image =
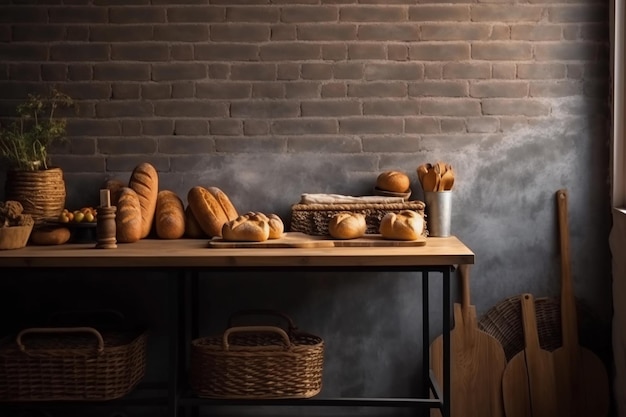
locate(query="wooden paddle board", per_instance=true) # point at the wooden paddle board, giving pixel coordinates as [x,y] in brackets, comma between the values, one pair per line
[477,362]
[302,240]
[581,377]
[528,386]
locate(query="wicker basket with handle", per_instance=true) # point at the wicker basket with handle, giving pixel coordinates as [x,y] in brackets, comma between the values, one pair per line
[70,363]
[313,219]
[257,362]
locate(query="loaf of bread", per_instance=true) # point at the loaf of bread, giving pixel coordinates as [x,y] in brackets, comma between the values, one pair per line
[170,215]
[50,235]
[144,180]
[128,223]
[192,227]
[394,181]
[404,225]
[207,210]
[227,205]
[114,186]
[347,225]
[250,227]
[277,227]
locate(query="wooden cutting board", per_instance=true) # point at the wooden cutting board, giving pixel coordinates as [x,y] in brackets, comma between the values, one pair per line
[528,385]
[302,240]
[477,362]
[581,377]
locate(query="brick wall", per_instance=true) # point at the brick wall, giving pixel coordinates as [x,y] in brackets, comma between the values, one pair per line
[175,81]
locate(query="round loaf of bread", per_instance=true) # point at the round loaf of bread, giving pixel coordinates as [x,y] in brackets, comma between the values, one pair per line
[246,228]
[144,180]
[207,210]
[170,215]
[347,225]
[128,224]
[114,186]
[404,225]
[192,227]
[277,227]
[395,181]
[46,236]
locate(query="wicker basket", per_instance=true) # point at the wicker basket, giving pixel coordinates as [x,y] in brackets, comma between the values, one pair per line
[313,219]
[14,237]
[70,363]
[257,362]
[504,322]
[41,192]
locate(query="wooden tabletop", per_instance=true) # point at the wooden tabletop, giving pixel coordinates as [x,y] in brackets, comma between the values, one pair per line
[196,253]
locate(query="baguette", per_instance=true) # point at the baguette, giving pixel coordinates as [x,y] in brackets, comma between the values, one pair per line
[144,180]
[170,215]
[227,205]
[207,211]
[405,225]
[192,227]
[128,224]
[347,225]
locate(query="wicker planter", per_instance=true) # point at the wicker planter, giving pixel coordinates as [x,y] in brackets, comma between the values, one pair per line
[42,192]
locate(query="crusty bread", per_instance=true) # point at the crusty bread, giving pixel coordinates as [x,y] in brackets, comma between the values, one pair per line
[347,225]
[246,228]
[144,180]
[192,227]
[404,225]
[227,205]
[128,224]
[50,235]
[114,186]
[394,181]
[207,210]
[277,227]
[170,215]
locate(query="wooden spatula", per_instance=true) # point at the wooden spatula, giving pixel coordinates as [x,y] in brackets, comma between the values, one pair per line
[581,377]
[528,386]
[477,362]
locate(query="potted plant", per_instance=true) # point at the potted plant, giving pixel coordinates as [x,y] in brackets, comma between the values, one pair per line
[24,146]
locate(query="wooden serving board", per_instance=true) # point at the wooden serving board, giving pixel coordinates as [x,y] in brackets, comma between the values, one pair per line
[302,240]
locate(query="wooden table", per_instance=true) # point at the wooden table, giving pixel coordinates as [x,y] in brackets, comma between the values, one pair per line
[189,257]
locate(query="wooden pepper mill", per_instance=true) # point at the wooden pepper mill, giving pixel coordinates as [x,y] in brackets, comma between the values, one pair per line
[105,226]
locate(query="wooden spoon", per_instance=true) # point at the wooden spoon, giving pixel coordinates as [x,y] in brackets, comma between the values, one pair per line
[421,171]
[442,167]
[447,180]
[431,180]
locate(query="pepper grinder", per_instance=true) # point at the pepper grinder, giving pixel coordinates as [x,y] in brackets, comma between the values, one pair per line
[105,225]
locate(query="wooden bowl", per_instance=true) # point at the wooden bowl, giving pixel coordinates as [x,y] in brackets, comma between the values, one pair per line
[405,195]
[14,237]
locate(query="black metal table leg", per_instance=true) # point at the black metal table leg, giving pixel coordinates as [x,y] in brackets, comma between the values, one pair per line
[447,305]
[425,336]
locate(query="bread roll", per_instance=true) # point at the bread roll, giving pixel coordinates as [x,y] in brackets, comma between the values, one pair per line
[50,236]
[405,225]
[207,210]
[144,180]
[128,223]
[192,227]
[277,227]
[246,228]
[227,205]
[114,186]
[347,225]
[170,216]
[394,181]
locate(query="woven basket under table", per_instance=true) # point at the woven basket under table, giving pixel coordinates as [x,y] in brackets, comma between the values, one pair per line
[257,362]
[313,219]
[71,363]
